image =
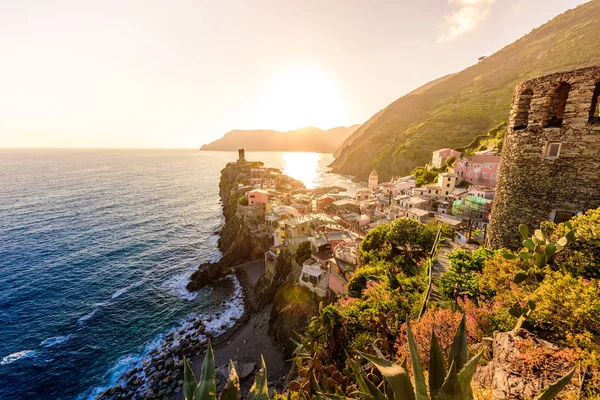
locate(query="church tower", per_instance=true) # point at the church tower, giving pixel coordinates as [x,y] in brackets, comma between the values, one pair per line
[373,180]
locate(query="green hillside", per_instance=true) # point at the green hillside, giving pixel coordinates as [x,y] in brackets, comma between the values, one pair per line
[451,111]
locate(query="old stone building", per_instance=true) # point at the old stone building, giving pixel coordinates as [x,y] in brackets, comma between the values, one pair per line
[550,166]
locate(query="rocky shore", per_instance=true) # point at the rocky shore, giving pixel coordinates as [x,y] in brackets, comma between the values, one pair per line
[160,374]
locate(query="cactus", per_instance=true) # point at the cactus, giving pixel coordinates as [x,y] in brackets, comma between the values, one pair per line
[538,249]
[537,252]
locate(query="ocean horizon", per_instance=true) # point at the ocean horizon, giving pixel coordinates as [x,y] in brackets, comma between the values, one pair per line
[97,247]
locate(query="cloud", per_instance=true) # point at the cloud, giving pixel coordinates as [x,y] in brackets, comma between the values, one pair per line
[467,17]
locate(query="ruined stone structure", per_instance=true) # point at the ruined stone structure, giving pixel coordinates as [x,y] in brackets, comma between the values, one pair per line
[550,166]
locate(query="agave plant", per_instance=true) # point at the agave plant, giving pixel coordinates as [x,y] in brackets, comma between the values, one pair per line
[452,383]
[206,387]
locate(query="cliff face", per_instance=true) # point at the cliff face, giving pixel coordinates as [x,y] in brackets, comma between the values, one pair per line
[236,242]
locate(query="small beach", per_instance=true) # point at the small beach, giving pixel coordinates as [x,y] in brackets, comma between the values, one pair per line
[248,341]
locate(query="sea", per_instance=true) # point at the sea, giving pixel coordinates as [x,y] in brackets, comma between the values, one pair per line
[96,247]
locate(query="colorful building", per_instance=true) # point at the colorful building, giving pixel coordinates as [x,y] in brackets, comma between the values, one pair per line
[440,156]
[480,169]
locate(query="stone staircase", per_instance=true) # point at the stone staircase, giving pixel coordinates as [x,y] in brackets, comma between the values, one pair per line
[439,267]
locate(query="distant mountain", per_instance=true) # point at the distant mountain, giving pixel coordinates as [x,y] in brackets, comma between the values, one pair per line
[452,110]
[305,139]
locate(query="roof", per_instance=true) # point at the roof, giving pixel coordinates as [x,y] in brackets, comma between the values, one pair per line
[312,271]
[433,186]
[450,220]
[373,173]
[417,200]
[259,191]
[458,191]
[483,158]
[318,241]
[444,149]
[418,212]
[345,202]
[323,255]
[339,235]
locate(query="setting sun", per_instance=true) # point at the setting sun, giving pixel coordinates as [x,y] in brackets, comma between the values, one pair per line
[301,96]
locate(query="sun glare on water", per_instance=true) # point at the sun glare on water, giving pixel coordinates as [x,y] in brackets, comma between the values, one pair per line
[298,97]
[303,167]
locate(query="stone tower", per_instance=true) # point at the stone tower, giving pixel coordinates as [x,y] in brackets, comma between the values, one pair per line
[373,180]
[241,156]
[550,166]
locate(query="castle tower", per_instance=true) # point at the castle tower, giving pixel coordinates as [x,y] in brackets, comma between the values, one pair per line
[241,156]
[373,180]
[550,166]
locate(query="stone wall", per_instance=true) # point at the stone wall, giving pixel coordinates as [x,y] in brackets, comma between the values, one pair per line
[533,187]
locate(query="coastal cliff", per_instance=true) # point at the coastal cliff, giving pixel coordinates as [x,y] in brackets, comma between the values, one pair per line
[236,241]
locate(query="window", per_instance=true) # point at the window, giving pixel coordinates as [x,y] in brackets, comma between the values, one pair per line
[489,166]
[485,175]
[470,174]
[493,177]
[523,106]
[552,150]
[595,109]
[558,105]
[562,216]
[447,185]
[477,175]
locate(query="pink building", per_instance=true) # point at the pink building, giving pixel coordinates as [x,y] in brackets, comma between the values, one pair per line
[257,196]
[479,169]
[440,156]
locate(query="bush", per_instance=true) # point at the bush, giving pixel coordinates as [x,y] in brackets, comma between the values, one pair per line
[303,253]
[243,201]
[462,278]
[568,307]
[582,256]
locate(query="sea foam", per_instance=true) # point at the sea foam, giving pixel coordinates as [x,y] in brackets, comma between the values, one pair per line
[19,355]
[53,341]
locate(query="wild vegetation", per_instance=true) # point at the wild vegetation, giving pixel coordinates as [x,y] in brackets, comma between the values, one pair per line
[447,112]
[360,345]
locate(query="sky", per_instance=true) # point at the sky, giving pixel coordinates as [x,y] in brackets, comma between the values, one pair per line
[181,73]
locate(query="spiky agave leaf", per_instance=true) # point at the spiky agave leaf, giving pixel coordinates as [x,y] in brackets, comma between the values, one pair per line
[451,388]
[466,374]
[232,387]
[189,380]
[551,391]
[396,377]
[260,390]
[437,366]
[417,368]
[368,391]
[458,351]
[207,386]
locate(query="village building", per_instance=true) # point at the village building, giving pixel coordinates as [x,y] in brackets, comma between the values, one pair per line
[257,196]
[373,180]
[440,156]
[418,214]
[473,207]
[480,169]
[363,195]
